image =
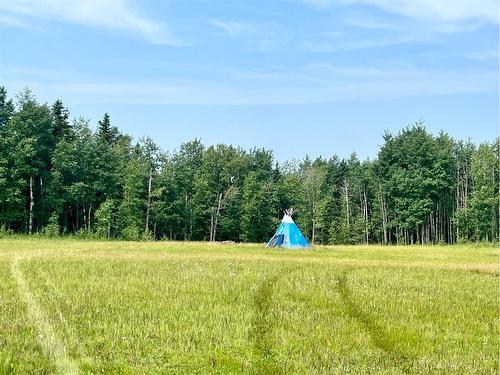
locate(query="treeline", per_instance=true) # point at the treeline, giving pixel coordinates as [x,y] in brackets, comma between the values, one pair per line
[61,177]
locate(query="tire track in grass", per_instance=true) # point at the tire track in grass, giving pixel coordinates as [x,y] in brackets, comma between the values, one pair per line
[66,330]
[53,347]
[262,326]
[381,339]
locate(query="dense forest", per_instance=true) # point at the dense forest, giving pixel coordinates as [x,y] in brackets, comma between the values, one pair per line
[60,177]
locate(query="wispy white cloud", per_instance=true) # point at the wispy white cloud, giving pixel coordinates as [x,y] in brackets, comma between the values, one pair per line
[318,3]
[13,21]
[369,24]
[256,36]
[483,55]
[36,73]
[235,27]
[117,15]
[306,84]
[326,42]
[364,32]
[445,10]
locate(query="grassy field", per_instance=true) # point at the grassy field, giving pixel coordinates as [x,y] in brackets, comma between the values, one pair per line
[69,306]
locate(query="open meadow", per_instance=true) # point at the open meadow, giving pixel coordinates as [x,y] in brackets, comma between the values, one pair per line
[69,306]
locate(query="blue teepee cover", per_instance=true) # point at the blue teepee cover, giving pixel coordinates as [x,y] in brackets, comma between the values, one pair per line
[288,235]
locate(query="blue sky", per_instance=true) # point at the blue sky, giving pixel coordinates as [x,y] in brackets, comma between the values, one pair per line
[317,77]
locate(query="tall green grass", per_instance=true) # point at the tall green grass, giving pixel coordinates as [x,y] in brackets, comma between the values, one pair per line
[122,307]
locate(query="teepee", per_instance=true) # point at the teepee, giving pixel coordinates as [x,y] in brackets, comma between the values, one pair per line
[288,234]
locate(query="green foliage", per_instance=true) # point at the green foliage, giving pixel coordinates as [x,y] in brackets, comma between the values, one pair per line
[85,234]
[131,233]
[4,232]
[147,236]
[421,188]
[257,210]
[61,128]
[52,229]
[105,216]
[484,199]
[131,210]
[107,134]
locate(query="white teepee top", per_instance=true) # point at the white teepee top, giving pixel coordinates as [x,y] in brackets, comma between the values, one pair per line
[287,218]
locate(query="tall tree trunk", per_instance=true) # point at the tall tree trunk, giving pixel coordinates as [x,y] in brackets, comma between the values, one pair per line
[84,217]
[148,207]
[429,229]
[77,216]
[216,220]
[432,228]
[32,204]
[65,225]
[211,224]
[190,233]
[457,187]
[346,197]
[187,218]
[365,214]
[313,220]
[90,213]
[383,213]
[466,201]
[451,231]
[386,222]
[441,223]
[313,231]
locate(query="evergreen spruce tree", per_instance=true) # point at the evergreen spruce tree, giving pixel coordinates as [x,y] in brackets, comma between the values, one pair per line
[61,128]
[107,133]
[6,110]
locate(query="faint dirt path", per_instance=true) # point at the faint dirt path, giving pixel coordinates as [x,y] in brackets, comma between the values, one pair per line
[53,347]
